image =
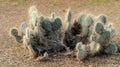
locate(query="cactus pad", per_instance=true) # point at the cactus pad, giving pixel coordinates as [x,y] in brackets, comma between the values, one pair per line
[52,35]
[81,17]
[81,51]
[102,18]
[89,20]
[111,49]
[19,39]
[105,37]
[14,32]
[23,27]
[56,24]
[46,25]
[99,28]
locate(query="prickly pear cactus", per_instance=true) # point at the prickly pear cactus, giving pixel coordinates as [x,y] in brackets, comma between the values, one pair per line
[81,51]
[102,18]
[99,28]
[89,20]
[33,16]
[81,17]
[14,32]
[46,25]
[104,38]
[52,35]
[68,15]
[112,30]
[23,27]
[111,49]
[57,23]
[67,20]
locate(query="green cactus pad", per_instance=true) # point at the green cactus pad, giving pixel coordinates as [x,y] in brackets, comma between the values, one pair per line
[46,25]
[81,51]
[19,39]
[89,20]
[56,24]
[99,28]
[102,18]
[105,37]
[81,17]
[111,49]
[14,32]
[52,35]
[85,31]
[23,27]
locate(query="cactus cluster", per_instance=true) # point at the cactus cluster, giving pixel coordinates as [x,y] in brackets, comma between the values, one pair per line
[89,35]
[100,35]
[36,35]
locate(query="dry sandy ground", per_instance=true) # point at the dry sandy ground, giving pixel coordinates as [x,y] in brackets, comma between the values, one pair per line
[13,13]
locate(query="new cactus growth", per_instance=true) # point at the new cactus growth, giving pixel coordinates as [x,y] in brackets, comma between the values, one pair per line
[102,18]
[68,15]
[67,20]
[23,27]
[111,49]
[33,16]
[81,51]
[52,17]
[86,21]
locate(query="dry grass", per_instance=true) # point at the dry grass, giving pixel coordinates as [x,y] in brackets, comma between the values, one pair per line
[13,12]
